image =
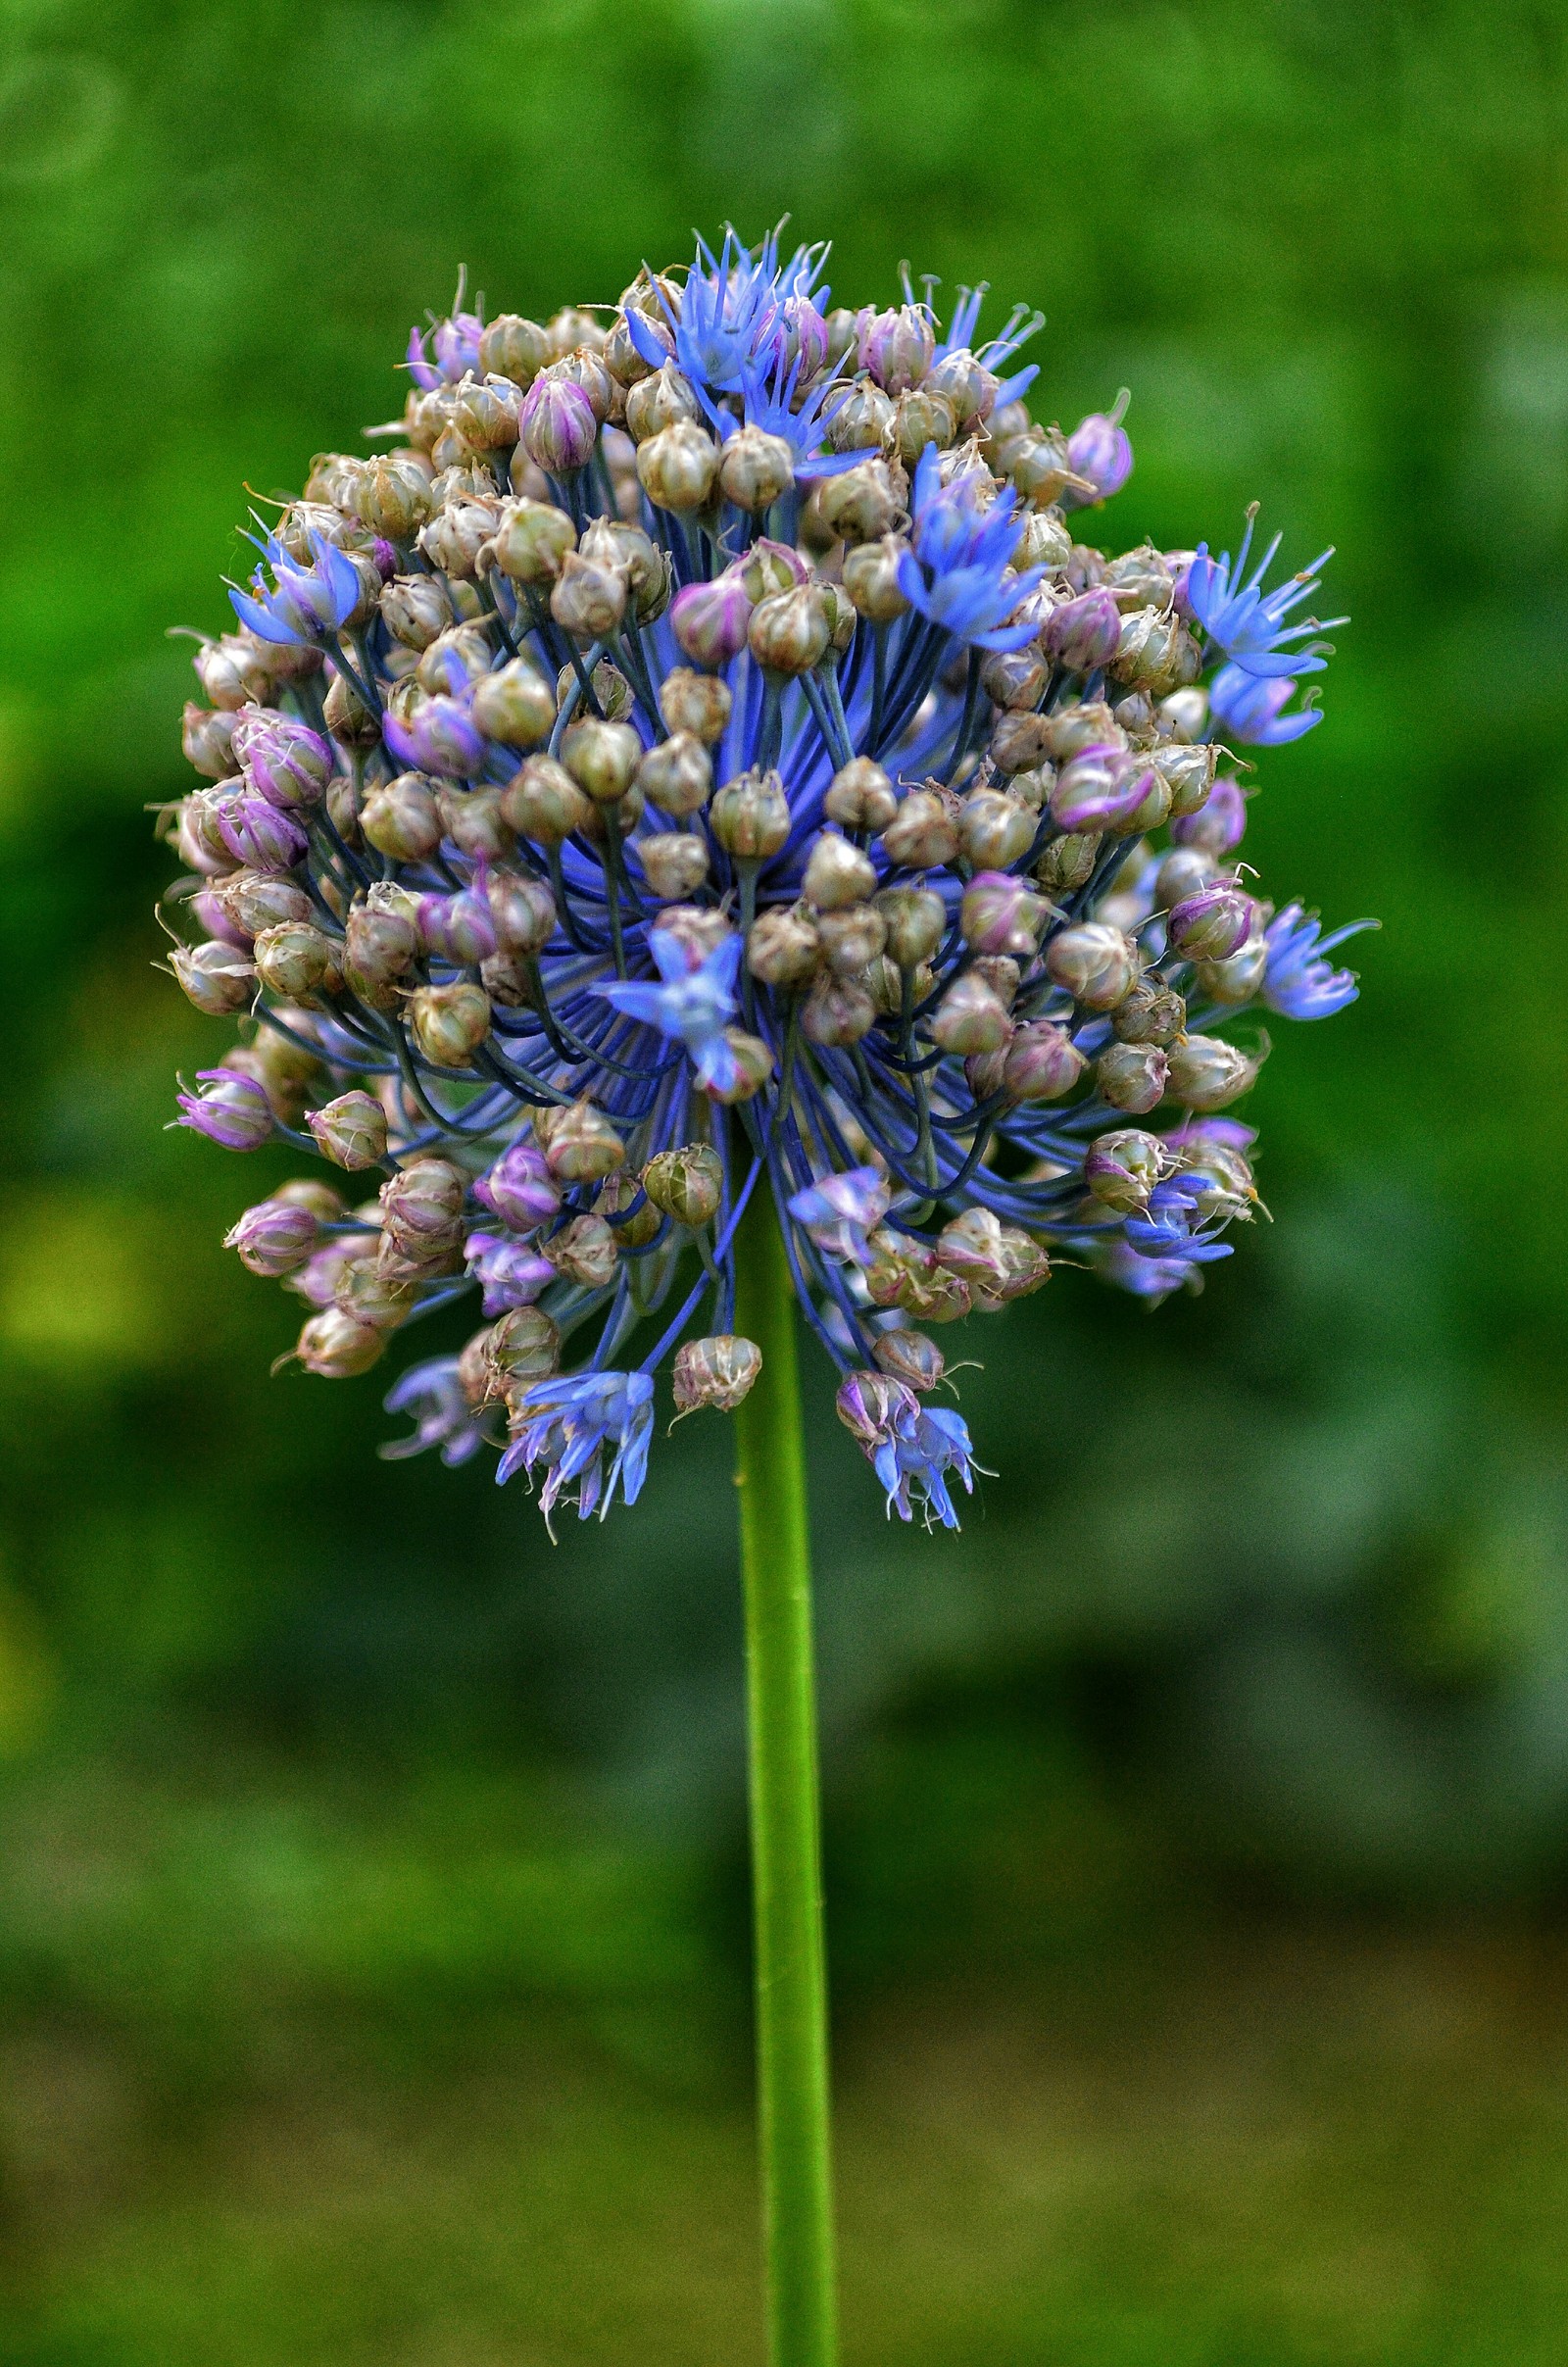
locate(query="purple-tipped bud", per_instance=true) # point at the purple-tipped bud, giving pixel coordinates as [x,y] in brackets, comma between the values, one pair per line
[869,1402]
[1042,1062]
[520,1189]
[709,620]
[274,1238]
[896,347]
[1207,926]
[457,927]
[1219,827]
[1099,452]
[511,1272]
[1002,915]
[350,1131]
[258,835]
[286,762]
[557,426]
[1098,789]
[1123,1167]
[438,735]
[233,1111]
[1084,632]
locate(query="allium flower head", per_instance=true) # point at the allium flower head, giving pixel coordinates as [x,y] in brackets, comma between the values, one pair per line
[699,762]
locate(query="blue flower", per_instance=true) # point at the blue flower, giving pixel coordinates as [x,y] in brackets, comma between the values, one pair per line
[1023,322]
[1166,1228]
[566,1425]
[727,308]
[1248,624]
[926,1443]
[443,1416]
[302,604]
[695,1005]
[771,403]
[954,570]
[1300,984]
[1149,1278]
[1252,712]
[839,1211]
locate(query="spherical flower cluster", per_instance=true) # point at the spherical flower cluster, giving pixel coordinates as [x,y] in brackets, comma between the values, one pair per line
[698,759]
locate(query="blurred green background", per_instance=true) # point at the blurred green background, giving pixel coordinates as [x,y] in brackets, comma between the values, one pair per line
[372,1923]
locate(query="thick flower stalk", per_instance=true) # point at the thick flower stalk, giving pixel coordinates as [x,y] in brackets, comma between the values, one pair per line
[699,759]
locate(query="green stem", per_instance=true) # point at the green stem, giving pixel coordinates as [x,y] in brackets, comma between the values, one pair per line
[786,1846]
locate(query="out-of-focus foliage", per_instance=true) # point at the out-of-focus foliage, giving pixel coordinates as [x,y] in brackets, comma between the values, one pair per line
[1307,1538]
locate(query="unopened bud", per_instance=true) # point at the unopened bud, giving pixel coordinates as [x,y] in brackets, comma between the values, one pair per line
[585,1251]
[543,803]
[457,927]
[450,1022]
[1001,914]
[556,427]
[860,796]
[753,1064]
[524,912]
[514,348]
[677,467]
[665,399]
[217,976]
[996,830]
[402,818]
[1041,1064]
[350,1131]
[970,1018]
[581,1146]
[1095,962]
[1068,862]
[755,470]
[1150,1013]
[853,937]
[471,818]
[676,775]
[523,1347]
[1084,633]
[1155,650]
[532,541]
[588,600]
[716,1372]
[298,960]
[1219,827]
[917,922]
[335,1347]
[520,1189]
[674,864]
[837,1011]
[1208,926]
[274,1237]
[750,817]
[923,835]
[602,758]
[872,578]
[206,735]
[865,503]
[789,632]
[515,704]
[1207,1074]
[770,568]
[695,703]
[253,901]
[861,421]
[910,1358]
[837,874]
[1122,1168]
[1131,1076]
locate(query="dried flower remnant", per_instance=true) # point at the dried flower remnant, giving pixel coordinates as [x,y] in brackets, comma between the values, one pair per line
[698,761]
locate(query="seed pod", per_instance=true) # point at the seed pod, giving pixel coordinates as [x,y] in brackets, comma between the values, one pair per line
[253,901]
[1207,1074]
[686,1184]
[1095,962]
[1131,1076]
[994,829]
[206,736]
[696,702]
[1041,1064]
[514,705]
[917,922]
[602,758]
[1014,679]
[861,421]
[750,817]
[216,976]
[585,1251]
[231,672]
[755,469]
[450,1022]
[588,600]
[1045,541]
[784,948]
[837,874]
[862,504]
[719,1373]
[370,1296]
[458,534]
[298,960]
[1068,862]
[860,796]
[674,864]
[402,819]
[532,541]
[970,1018]
[1151,1014]
[474,822]
[350,1131]
[336,1348]
[1122,1168]
[391,494]
[524,912]
[677,467]
[871,579]
[923,835]
[1155,649]
[543,803]
[789,632]
[665,399]
[522,1348]
[415,609]
[514,348]
[770,567]
[580,1145]
[920,418]
[676,775]
[853,937]
[837,1011]
[1239,976]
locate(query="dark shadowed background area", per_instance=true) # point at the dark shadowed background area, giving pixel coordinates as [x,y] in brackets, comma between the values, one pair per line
[372,1927]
